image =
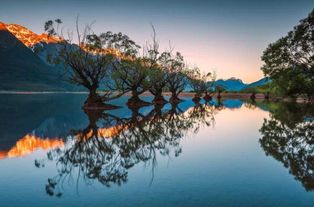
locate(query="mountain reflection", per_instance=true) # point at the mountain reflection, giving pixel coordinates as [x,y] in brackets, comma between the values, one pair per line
[110,145]
[288,136]
[28,144]
[102,147]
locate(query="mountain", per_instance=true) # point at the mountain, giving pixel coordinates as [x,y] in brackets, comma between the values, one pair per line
[231,84]
[27,37]
[23,70]
[260,82]
[24,65]
[235,85]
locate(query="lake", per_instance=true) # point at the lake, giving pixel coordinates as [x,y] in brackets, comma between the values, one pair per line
[226,153]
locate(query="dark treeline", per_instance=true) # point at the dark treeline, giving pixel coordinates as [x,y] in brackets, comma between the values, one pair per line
[116,65]
[289,61]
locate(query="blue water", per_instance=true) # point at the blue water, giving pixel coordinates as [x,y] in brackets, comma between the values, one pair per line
[229,153]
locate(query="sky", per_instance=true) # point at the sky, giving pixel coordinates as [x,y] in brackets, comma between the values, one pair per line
[227,37]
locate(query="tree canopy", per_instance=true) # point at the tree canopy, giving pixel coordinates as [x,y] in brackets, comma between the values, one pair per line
[289,61]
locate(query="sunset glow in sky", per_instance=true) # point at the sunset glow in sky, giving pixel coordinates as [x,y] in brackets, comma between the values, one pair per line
[226,36]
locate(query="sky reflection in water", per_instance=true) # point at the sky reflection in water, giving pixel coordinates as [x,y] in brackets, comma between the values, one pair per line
[188,155]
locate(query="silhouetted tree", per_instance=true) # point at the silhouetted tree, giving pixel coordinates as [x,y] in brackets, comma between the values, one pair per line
[132,75]
[219,89]
[89,62]
[289,62]
[201,83]
[176,75]
[158,71]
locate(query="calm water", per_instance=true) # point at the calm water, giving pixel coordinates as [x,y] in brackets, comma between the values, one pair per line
[220,154]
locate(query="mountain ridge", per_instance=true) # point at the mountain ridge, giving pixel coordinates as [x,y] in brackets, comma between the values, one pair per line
[236,84]
[21,69]
[24,53]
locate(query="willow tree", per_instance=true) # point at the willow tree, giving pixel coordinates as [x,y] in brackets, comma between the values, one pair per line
[142,73]
[289,61]
[158,73]
[202,84]
[176,71]
[89,62]
[131,75]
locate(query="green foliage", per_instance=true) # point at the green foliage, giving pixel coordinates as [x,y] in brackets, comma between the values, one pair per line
[131,75]
[89,63]
[289,62]
[176,72]
[267,88]
[201,82]
[113,60]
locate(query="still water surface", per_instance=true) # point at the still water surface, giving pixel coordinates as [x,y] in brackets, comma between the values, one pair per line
[230,153]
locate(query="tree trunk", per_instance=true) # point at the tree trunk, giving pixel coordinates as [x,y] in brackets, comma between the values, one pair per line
[94,101]
[207,97]
[135,101]
[159,99]
[173,109]
[219,96]
[174,98]
[93,117]
[196,99]
[253,97]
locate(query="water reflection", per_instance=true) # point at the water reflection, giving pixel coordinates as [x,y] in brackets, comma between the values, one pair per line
[28,144]
[288,136]
[102,147]
[110,145]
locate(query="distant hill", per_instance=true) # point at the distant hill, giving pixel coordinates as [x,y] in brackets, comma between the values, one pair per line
[231,84]
[260,82]
[259,89]
[236,85]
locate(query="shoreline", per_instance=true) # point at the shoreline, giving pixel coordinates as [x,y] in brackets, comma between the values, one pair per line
[229,95]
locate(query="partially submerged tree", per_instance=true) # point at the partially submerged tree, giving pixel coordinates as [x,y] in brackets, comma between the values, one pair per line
[158,76]
[89,62]
[131,75]
[202,84]
[210,86]
[158,72]
[159,80]
[176,75]
[219,89]
[289,62]
[140,74]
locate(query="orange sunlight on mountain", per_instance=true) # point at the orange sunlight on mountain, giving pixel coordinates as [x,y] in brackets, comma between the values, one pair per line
[2,26]
[26,36]
[29,144]
[109,132]
[29,39]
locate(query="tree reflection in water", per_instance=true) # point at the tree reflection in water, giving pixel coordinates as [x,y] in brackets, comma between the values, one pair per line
[110,145]
[288,136]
